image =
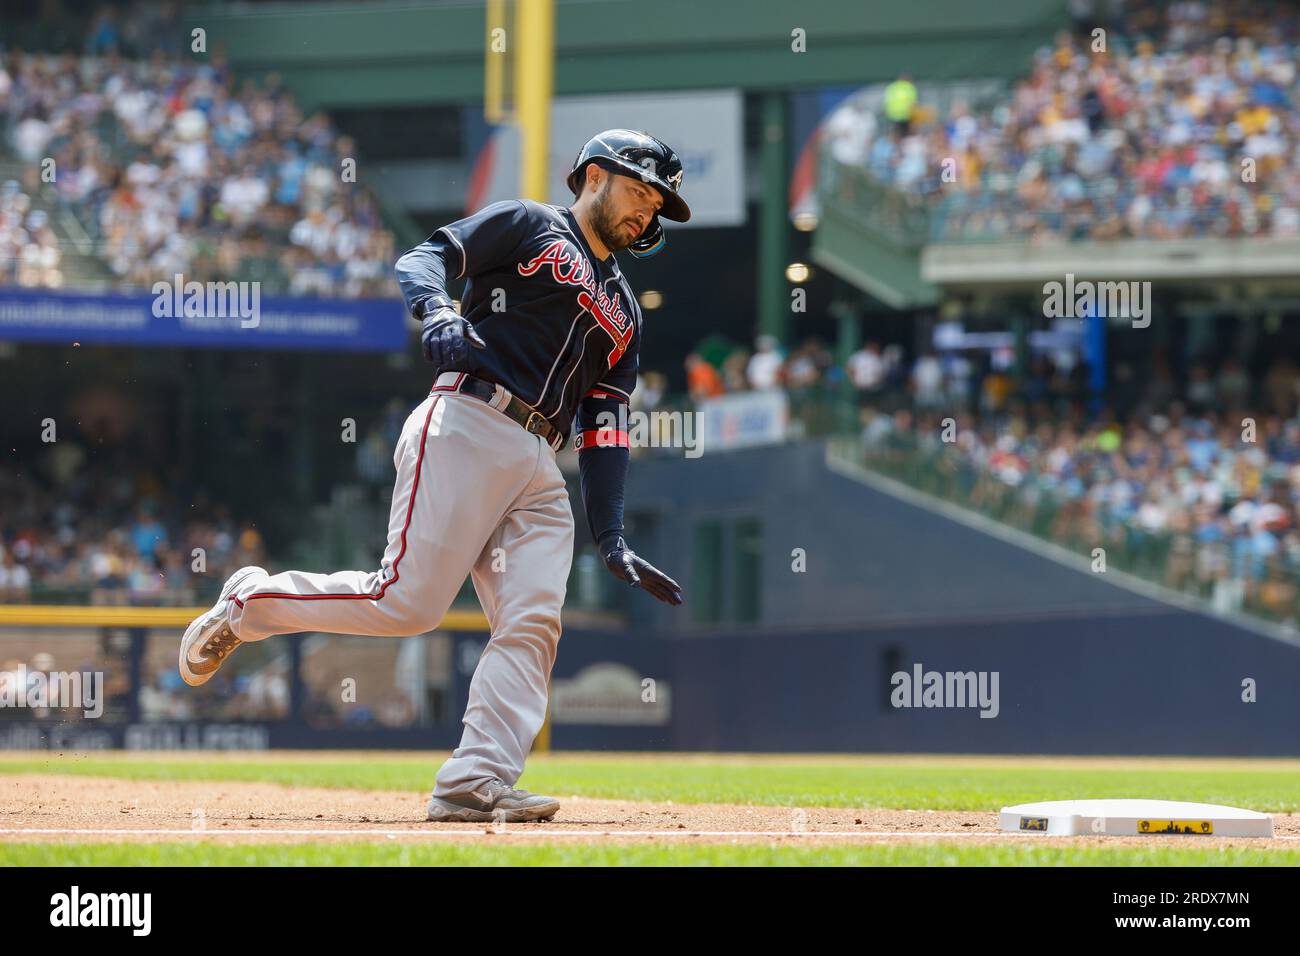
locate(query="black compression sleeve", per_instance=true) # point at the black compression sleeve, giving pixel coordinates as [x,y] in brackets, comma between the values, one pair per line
[603,473]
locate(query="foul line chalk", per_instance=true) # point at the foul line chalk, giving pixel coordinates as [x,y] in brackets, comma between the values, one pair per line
[529,830]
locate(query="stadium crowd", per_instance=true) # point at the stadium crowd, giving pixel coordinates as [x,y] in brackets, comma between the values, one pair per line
[24,673]
[1201,492]
[30,256]
[1184,125]
[174,168]
[100,536]
[718,367]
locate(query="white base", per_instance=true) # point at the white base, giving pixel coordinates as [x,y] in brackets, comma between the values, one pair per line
[1133,818]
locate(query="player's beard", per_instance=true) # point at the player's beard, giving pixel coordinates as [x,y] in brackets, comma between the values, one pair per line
[611,231]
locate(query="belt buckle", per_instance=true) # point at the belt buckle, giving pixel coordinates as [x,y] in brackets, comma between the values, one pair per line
[535,422]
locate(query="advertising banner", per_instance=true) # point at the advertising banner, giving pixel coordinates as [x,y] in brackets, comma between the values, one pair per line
[143,319]
[705,130]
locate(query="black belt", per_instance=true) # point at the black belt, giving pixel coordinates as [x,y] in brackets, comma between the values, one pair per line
[528,417]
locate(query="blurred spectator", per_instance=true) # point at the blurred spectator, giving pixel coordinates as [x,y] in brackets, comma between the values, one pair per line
[927,382]
[148,535]
[900,102]
[702,379]
[15,579]
[807,365]
[849,131]
[867,372]
[764,369]
[734,369]
[29,251]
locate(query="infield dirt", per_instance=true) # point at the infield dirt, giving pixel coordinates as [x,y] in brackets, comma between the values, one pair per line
[53,807]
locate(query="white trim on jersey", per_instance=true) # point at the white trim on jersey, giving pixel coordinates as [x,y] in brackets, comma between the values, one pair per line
[578,362]
[464,260]
[559,399]
[563,348]
[627,396]
[559,226]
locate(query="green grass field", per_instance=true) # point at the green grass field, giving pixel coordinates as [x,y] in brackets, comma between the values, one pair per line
[983,784]
[926,783]
[594,854]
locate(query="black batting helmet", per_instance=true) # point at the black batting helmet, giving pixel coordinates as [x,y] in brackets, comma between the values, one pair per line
[639,155]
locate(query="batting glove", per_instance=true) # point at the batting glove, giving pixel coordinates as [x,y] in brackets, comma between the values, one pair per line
[446,337]
[624,564]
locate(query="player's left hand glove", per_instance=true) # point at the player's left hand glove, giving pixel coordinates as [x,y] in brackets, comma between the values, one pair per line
[624,564]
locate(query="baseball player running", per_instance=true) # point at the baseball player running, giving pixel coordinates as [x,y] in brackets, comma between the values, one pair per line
[548,341]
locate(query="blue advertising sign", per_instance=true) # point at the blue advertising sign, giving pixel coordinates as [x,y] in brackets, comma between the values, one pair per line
[227,317]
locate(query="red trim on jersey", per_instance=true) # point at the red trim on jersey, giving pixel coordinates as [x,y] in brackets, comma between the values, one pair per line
[601,438]
[620,336]
[410,509]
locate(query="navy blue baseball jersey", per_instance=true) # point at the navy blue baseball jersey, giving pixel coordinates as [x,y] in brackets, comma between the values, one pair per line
[562,329]
[559,323]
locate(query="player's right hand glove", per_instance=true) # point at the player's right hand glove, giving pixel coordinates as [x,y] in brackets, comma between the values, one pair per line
[624,564]
[446,337]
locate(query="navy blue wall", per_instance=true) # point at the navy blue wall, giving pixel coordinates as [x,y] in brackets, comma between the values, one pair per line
[1161,683]
[1165,682]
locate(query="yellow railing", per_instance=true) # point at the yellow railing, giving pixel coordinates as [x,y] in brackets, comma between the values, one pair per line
[58,615]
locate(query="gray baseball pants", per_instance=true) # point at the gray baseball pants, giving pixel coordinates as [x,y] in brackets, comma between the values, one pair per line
[475,494]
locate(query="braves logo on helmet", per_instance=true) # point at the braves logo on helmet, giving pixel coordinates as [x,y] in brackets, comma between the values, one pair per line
[651,167]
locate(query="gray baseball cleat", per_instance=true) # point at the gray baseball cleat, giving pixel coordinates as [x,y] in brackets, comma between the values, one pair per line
[493,801]
[208,641]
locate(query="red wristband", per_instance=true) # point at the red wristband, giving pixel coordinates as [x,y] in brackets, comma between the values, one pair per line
[601,438]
